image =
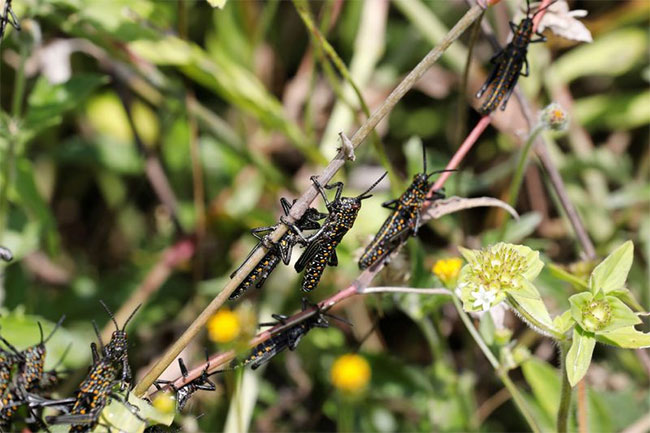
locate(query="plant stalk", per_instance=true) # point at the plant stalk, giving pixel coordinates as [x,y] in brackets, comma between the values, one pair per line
[565,394]
[503,375]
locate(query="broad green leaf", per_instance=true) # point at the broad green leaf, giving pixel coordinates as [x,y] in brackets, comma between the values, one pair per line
[626,296]
[119,416]
[487,329]
[618,111]
[563,322]
[22,331]
[612,272]
[533,307]
[627,338]
[562,274]
[48,102]
[579,356]
[610,55]
[621,315]
[545,383]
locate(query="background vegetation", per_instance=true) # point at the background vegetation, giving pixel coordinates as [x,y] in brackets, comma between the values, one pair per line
[134,161]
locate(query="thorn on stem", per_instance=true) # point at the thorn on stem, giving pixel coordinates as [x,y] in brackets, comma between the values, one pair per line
[346,147]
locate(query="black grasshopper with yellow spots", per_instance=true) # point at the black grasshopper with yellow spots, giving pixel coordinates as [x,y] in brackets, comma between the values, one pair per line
[8,359]
[277,251]
[404,221]
[183,394]
[118,344]
[28,378]
[321,250]
[107,371]
[509,63]
[286,338]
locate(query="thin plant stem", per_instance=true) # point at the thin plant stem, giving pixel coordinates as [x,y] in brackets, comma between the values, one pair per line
[301,205]
[515,185]
[461,152]
[565,393]
[19,85]
[414,290]
[503,375]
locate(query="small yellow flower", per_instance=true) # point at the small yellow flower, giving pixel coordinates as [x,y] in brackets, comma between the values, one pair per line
[447,270]
[164,402]
[224,326]
[350,373]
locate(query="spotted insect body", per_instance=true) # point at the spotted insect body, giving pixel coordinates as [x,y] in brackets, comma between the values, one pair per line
[183,393]
[28,377]
[287,338]
[509,63]
[277,251]
[404,220]
[321,251]
[110,368]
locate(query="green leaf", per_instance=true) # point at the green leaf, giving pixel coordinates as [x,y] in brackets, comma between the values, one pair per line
[469,255]
[48,102]
[117,415]
[534,310]
[578,303]
[612,272]
[610,55]
[627,338]
[544,381]
[487,329]
[579,356]
[621,315]
[563,322]
[562,274]
[619,111]
[626,296]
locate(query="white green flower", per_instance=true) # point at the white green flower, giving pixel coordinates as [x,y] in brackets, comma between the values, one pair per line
[492,273]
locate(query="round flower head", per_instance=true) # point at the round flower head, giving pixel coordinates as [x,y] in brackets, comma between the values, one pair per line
[224,326]
[493,272]
[554,117]
[350,373]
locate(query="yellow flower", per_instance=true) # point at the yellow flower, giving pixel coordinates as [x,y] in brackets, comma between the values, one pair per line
[164,402]
[350,373]
[447,270]
[224,326]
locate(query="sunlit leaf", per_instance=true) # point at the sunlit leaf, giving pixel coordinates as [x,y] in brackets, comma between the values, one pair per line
[612,272]
[579,356]
[628,338]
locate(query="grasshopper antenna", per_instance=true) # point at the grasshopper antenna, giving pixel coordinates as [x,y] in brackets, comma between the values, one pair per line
[131,316]
[110,313]
[441,171]
[365,194]
[58,324]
